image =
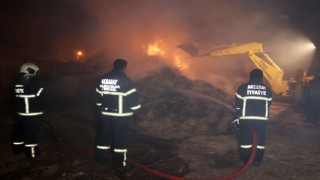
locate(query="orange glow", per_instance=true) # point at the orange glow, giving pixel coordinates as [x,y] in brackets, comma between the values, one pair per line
[179,63]
[159,48]
[154,49]
[79,53]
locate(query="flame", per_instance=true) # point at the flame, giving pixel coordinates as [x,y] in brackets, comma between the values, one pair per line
[180,64]
[157,49]
[154,49]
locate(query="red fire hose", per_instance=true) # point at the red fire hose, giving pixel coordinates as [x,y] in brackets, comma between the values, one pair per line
[249,162]
[168,176]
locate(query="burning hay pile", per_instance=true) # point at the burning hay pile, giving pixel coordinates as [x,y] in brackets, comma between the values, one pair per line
[176,107]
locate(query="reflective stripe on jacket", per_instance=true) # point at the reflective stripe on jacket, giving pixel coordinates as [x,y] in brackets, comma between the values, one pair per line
[253,100]
[117,95]
[28,99]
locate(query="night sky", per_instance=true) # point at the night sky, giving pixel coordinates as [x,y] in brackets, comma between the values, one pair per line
[56,29]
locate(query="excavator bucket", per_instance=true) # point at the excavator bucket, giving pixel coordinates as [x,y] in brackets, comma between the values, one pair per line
[190,48]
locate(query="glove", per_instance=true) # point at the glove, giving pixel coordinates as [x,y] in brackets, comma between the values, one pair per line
[235,126]
[235,122]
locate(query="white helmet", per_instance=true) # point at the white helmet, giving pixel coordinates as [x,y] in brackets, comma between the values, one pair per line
[29,68]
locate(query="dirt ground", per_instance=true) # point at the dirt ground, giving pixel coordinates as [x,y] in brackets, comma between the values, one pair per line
[190,146]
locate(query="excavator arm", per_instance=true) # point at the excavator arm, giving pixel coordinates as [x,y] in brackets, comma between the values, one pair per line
[271,71]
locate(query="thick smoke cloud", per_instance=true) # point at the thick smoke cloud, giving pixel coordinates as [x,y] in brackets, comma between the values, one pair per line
[129,26]
[106,30]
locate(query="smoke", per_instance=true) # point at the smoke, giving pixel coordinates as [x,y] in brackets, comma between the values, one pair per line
[291,51]
[129,26]
[125,28]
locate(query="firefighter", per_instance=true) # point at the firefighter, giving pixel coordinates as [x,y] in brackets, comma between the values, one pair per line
[118,102]
[28,109]
[313,105]
[252,101]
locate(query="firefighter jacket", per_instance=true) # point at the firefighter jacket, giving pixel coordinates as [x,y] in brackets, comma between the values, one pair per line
[117,95]
[253,100]
[28,97]
[314,90]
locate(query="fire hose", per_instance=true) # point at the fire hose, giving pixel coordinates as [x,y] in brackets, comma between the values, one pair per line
[164,175]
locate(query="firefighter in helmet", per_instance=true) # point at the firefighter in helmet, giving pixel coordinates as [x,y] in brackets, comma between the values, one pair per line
[28,111]
[252,101]
[118,102]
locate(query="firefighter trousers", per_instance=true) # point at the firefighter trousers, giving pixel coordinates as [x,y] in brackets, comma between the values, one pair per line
[245,139]
[111,139]
[25,136]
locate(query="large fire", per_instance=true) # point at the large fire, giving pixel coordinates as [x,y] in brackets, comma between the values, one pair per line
[157,50]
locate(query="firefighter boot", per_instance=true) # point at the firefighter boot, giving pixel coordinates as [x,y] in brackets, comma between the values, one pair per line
[122,171]
[101,157]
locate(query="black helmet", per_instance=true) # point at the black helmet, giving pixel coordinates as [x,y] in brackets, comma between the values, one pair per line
[256,74]
[119,64]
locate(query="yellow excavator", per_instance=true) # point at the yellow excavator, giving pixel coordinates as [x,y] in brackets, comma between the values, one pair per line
[271,71]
